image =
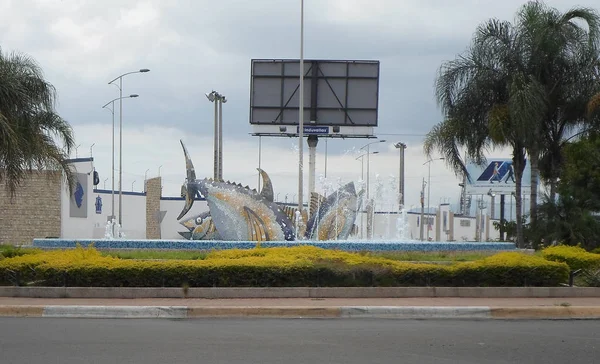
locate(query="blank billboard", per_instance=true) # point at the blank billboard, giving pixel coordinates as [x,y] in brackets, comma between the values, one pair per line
[336,93]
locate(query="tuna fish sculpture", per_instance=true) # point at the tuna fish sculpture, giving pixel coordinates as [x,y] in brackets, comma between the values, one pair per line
[333,217]
[202,226]
[238,213]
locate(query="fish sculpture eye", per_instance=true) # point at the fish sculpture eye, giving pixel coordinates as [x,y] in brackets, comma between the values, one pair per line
[198,220]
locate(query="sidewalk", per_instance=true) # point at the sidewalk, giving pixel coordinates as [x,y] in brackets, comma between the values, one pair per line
[402,308]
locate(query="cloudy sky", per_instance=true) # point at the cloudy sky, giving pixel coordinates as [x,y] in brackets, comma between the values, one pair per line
[195,46]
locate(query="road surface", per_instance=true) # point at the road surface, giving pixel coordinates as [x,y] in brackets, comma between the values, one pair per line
[291,341]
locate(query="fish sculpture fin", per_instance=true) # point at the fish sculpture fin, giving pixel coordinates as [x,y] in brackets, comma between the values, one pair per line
[290,212]
[267,186]
[190,189]
[316,201]
[186,234]
[354,230]
[256,226]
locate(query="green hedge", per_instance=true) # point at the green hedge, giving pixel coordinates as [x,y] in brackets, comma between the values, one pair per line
[575,257]
[275,267]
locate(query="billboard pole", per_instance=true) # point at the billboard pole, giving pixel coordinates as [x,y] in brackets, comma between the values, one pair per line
[301,113]
[312,162]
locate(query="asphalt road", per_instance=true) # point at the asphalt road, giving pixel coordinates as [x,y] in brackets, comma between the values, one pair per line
[290,341]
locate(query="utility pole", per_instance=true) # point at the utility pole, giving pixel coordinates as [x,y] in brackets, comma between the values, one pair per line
[422,210]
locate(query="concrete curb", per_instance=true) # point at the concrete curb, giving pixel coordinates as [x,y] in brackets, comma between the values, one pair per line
[299,292]
[406,312]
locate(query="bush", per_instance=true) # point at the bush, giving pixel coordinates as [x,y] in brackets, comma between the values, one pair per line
[10,251]
[575,257]
[304,266]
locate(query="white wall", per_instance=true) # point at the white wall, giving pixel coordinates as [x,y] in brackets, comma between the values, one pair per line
[94,226]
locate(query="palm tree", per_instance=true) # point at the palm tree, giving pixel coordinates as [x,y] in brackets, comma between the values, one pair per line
[523,86]
[489,100]
[32,135]
[561,54]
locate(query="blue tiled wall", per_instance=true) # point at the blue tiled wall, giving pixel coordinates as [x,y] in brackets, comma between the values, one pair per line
[208,245]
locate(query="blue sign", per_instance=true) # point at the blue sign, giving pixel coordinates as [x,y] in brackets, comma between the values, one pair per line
[498,176]
[314,129]
[98,205]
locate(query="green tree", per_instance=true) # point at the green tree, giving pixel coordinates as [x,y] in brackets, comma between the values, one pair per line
[573,218]
[524,86]
[562,55]
[488,101]
[32,135]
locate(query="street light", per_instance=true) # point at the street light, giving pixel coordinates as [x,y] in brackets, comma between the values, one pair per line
[112,111]
[145,178]
[219,100]
[120,86]
[301,114]
[429,188]
[362,177]
[401,146]
[367,146]
[362,174]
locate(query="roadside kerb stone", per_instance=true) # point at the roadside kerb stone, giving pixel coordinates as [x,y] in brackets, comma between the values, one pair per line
[289,312]
[549,312]
[417,312]
[172,312]
[298,292]
[348,312]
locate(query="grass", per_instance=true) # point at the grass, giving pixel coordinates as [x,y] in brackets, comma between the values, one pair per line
[7,251]
[433,256]
[156,254]
[399,256]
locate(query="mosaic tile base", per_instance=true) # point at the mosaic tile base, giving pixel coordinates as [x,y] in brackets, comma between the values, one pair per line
[208,245]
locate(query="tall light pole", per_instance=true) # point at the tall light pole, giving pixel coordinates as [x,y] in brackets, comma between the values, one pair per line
[429,188]
[301,113]
[120,86]
[362,174]
[218,99]
[367,154]
[401,146]
[112,192]
[362,177]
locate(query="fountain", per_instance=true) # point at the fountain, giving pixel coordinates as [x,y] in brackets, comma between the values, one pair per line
[240,217]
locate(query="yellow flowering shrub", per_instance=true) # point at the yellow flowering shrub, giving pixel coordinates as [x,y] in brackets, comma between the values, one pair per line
[576,257]
[298,266]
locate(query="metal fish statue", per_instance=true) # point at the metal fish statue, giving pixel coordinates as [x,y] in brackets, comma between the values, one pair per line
[201,227]
[333,218]
[238,213]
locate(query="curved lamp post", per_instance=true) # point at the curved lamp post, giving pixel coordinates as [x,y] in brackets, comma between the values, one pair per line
[429,189]
[112,111]
[120,86]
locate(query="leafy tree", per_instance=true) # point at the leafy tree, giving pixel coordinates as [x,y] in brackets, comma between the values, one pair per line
[524,86]
[573,217]
[32,134]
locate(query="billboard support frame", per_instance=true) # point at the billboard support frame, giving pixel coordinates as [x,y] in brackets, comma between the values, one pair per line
[349,87]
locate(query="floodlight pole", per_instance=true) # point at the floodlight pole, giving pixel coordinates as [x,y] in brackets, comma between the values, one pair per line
[301,113]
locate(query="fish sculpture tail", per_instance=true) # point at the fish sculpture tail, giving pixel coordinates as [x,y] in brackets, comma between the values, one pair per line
[189,188]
